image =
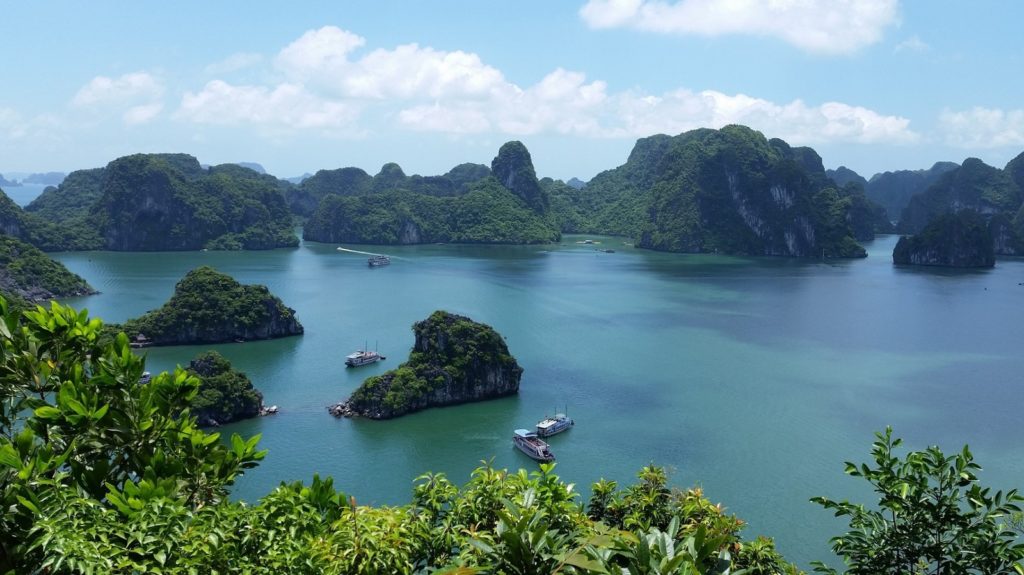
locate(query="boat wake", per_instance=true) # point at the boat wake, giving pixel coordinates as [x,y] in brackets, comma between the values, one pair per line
[365,253]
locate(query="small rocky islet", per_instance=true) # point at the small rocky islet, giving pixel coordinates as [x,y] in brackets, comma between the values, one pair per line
[454,360]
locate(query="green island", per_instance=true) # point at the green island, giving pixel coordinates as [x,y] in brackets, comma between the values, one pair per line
[454,360]
[470,204]
[730,191]
[102,473]
[160,202]
[225,394]
[211,307]
[997,195]
[29,276]
[957,239]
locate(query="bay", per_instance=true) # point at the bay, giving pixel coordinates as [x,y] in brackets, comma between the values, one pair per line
[755,378]
[25,193]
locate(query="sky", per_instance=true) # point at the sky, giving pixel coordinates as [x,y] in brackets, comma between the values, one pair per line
[874,85]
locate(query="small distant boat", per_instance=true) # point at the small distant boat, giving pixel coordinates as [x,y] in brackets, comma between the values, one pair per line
[377,261]
[271,410]
[551,425]
[363,357]
[531,445]
[145,378]
[609,251]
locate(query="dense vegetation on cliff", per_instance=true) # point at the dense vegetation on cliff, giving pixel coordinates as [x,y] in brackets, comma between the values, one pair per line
[225,394]
[454,360]
[893,190]
[954,239]
[211,307]
[29,275]
[460,207]
[729,191]
[304,198]
[148,202]
[997,195]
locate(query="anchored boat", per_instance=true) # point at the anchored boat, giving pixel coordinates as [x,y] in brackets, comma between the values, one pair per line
[363,357]
[530,444]
[551,425]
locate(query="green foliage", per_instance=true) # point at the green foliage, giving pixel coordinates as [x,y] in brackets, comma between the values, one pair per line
[486,213]
[149,202]
[932,516]
[225,395]
[960,239]
[208,307]
[893,190]
[80,437]
[513,168]
[973,186]
[451,351]
[726,191]
[27,272]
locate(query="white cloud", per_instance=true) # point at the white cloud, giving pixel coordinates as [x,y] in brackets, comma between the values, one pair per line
[234,62]
[820,26]
[329,85]
[981,127]
[912,44]
[318,52]
[286,105]
[138,94]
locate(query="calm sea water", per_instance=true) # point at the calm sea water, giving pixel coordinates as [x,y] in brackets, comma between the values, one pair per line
[754,378]
[24,194]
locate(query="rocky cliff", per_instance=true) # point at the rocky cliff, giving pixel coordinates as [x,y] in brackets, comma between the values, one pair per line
[211,307]
[959,240]
[29,276]
[466,205]
[454,360]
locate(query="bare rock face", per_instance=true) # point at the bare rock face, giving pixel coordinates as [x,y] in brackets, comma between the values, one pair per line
[454,360]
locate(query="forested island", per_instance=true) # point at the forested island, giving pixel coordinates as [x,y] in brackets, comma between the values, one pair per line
[954,239]
[212,307]
[29,276]
[454,360]
[225,394]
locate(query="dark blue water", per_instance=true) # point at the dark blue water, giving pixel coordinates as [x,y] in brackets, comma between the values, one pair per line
[754,378]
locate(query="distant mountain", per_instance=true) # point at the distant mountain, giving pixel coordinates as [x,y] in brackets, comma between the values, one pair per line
[893,190]
[725,191]
[45,179]
[252,166]
[996,195]
[156,202]
[843,176]
[5,183]
[304,198]
[299,179]
[576,183]
[466,205]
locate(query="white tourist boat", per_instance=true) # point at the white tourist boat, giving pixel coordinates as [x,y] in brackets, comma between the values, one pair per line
[551,425]
[362,357]
[530,444]
[377,261]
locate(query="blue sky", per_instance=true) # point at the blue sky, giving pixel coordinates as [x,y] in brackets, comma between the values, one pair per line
[873,84]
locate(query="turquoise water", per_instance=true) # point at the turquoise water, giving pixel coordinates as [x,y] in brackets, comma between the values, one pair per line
[755,378]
